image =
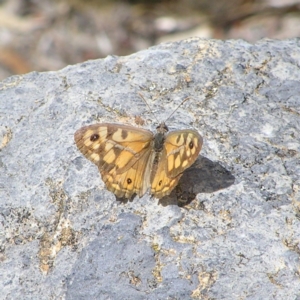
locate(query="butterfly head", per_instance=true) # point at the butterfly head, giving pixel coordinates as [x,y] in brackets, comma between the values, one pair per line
[159,138]
[162,128]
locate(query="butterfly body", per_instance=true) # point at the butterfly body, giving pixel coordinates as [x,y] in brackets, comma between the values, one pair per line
[132,160]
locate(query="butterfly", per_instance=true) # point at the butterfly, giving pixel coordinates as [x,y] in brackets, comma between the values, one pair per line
[132,160]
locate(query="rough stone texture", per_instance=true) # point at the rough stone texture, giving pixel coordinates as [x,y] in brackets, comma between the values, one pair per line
[64,236]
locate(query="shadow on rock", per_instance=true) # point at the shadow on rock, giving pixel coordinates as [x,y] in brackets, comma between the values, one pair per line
[204,176]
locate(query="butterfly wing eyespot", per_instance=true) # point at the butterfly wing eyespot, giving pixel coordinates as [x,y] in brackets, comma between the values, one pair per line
[181,149]
[122,154]
[94,137]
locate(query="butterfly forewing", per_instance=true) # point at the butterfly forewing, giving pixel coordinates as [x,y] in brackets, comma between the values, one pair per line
[181,149]
[121,153]
[103,144]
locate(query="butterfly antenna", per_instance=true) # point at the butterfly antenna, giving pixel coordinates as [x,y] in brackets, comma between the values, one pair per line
[184,100]
[148,106]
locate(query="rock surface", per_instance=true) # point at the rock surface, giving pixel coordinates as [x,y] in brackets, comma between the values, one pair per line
[64,236]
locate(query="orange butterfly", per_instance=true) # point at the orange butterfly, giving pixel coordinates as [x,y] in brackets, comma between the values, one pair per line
[131,160]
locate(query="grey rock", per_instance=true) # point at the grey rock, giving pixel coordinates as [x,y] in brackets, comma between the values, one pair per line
[231,231]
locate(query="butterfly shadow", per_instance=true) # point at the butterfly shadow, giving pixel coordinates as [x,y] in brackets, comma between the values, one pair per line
[204,176]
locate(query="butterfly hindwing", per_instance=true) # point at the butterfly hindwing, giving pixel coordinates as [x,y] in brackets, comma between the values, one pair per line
[133,181]
[161,184]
